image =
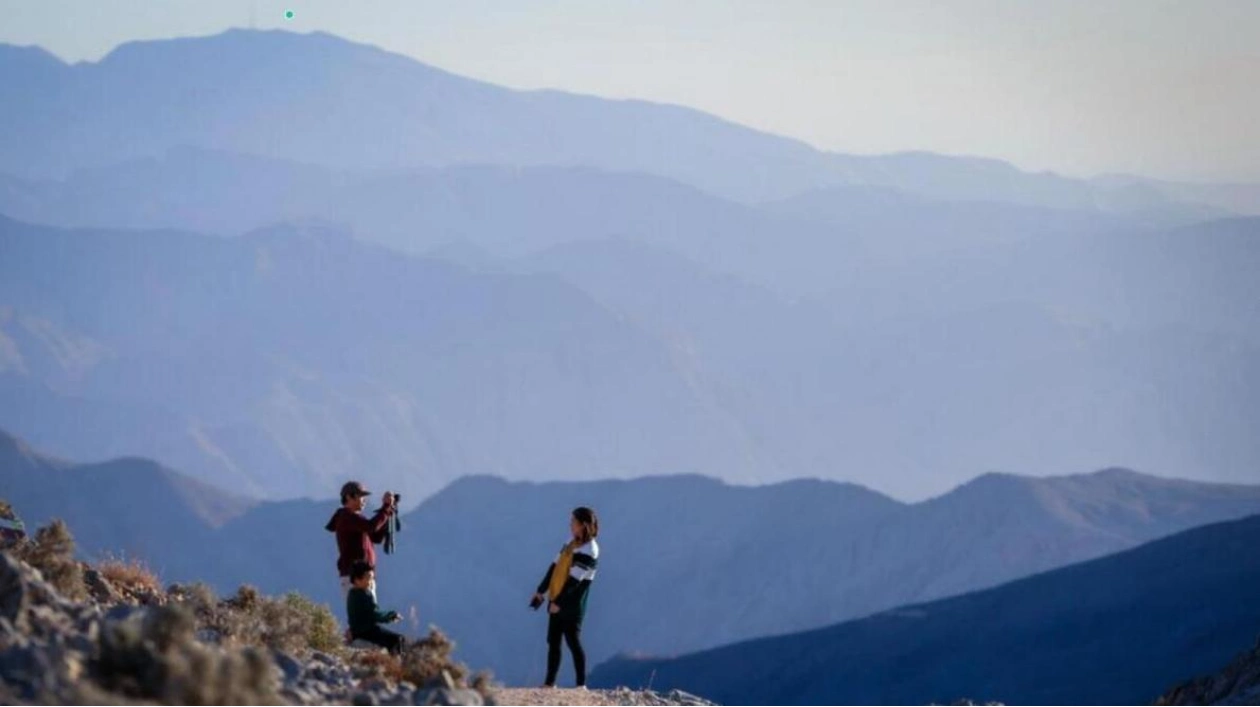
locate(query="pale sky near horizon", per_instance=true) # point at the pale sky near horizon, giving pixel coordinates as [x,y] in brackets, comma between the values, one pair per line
[1162,88]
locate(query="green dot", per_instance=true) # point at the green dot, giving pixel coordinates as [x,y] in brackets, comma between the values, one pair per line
[288,14]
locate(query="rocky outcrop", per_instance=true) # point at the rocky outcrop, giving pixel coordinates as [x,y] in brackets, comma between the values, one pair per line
[53,650]
[1237,684]
[56,651]
[183,646]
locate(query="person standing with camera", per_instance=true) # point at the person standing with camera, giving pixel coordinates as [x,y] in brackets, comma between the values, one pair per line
[356,534]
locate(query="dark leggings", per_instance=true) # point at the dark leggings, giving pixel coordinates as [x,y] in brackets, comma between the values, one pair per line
[572,632]
[383,637]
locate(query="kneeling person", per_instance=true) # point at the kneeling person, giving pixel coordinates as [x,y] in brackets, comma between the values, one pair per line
[365,616]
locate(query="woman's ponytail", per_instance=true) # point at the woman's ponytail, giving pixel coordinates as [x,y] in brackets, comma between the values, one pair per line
[589,522]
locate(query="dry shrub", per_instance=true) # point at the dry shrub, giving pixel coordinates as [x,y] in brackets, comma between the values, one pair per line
[369,664]
[425,660]
[323,633]
[153,655]
[129,576]
[51,552]
[422,663]
[482,682]
[198,598]
[246,600]
[290,623]
[294,623]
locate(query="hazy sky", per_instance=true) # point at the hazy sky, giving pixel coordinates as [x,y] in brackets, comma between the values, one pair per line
[1157,87]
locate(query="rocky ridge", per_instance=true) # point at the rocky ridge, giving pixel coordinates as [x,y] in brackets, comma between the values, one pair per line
[1237,684]
[129,641]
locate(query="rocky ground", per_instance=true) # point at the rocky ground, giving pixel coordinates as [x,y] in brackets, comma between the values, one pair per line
[620,696]
[1237,684]
[117,645]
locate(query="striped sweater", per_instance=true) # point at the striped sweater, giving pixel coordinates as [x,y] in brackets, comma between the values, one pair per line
[572,599]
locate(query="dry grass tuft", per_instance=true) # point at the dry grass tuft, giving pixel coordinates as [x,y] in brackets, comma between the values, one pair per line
[129,576]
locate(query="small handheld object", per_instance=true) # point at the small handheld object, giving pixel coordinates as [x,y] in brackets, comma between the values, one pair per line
[393,526]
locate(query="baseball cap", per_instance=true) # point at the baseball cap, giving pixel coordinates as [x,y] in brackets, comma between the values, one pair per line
[353,488]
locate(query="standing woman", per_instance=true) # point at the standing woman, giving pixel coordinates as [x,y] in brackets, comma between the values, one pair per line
[565,587]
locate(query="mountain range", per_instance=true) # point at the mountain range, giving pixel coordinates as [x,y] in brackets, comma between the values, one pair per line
[279,362]
[688,562]
[1117,630]
[595,288]
[320,98]
[511,211]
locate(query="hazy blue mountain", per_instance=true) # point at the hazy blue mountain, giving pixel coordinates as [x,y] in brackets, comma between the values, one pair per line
[285,361]
[129,507]
[720,318]
[923,395]
[1117,630]
[321,99]
[801,246]
[183,188]
[1136,279]
[899,224]
[331,357]
[1045,354]
[1235,197]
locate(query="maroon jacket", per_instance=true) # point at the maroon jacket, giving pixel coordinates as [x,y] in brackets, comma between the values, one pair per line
[355,535]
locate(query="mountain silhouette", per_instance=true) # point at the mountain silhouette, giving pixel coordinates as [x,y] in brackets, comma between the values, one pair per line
[1117,630]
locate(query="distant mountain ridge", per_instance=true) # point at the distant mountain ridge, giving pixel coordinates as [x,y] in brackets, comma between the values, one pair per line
[296,355]
[131,508]
[277,362]
[226,92]
[797,247]
[1117,630]
[686,558]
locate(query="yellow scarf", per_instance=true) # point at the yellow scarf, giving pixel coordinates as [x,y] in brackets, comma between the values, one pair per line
[561,573]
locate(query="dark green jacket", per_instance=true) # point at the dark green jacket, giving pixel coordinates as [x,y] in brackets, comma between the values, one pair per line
[363,613]
[572,599]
